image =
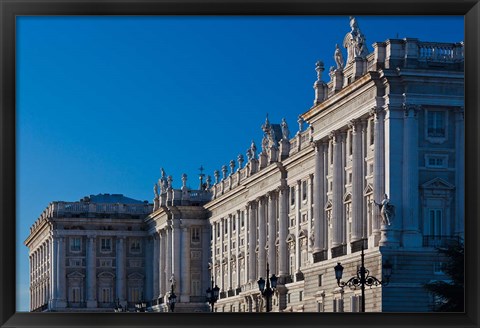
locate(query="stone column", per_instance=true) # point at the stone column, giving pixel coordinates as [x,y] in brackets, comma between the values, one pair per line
[185,271]
[252,242]
[247,243]
[222,255]
[61,274]
[237,242]
[91,276]
[411,233]
[168,258]
[206,255]
[459,172]
[298,219]
[121,269]
[357,181]
[156,265]
[176,254]
[262,225]
[310,215]
[319,246]
[151,266]
[378,169]
[272,232]
[282,231]
[162,267]
[337,210]
[228,220]
[53,271]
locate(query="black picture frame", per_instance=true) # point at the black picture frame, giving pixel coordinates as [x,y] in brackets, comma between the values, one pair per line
[9,9]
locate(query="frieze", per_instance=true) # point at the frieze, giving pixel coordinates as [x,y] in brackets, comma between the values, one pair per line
[343,112]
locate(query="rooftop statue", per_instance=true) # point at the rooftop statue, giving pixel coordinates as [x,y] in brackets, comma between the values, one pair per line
[338,57]
[355,42]
[285,130]
[387,210]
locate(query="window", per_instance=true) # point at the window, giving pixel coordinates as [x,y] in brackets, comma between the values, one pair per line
[234,226]
[320,277]
[75,295]
[372,132]
[292,196]
[435,222]
[105,263]
[135,294]
[75,262]
[304,190]
[289,298]
[196,285]
[105,295]
[304,217]
[292,221]
[225,225]
[106,244]
[356,303]
[436,124]
[195,234]
[234,244]
[320,307]
[242,219]
[436,161]
[75,244]
[242,242]
[135,246]
[300,296]
[338,305]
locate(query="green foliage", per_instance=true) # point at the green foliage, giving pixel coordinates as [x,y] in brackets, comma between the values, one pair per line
[450,295]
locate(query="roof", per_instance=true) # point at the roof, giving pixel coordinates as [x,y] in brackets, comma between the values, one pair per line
[111,198]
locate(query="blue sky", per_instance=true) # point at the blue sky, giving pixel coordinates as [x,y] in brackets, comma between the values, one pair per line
[104,102]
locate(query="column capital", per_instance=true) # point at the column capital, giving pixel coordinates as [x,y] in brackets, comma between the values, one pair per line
[376,111]
[354,124]
[411,108]
[271,195]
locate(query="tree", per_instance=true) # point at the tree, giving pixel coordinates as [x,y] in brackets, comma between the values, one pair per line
[450,294]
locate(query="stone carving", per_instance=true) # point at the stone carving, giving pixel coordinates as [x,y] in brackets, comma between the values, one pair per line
[387,210]
[319,68]
[285,130]
[155,190]
[265,143]
[338,57]
[251,152]
[300,123]
[173,282]
[355,42]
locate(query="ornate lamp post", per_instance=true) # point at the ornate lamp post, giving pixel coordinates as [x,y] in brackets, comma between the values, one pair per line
[363,278]
[212,295]
[266,290]
[172,299]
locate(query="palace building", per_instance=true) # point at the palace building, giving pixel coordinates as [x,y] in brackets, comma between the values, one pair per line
[376,167]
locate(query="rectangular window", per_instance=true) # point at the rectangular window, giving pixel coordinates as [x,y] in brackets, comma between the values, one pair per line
[372,132]
[320,277]
[75,244]
[105,295]
[106,244]
[75,294]
[320,307]
[75,262]
[225,225]
[436,123]
[234,226]
[436,161]
[338,305]
[435,221]
[195,234]
[134,294]
[304,190]
[292,196]
[196,285]
[292,221]
[105,263]
[304,217]
[135,246]
[356,303]
[300,296]
[289,298]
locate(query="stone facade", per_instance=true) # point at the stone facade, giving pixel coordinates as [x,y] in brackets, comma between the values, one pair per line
[379,167]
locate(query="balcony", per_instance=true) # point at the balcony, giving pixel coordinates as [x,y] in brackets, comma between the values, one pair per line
[339,251]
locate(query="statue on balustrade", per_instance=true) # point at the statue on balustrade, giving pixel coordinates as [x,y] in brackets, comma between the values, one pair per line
[387,210]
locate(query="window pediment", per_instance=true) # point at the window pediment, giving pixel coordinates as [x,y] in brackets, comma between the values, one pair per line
[438,183]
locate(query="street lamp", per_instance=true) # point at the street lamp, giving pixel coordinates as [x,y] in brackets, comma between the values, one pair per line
[363,278]
[172,299]
[264,287]
[212,295]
